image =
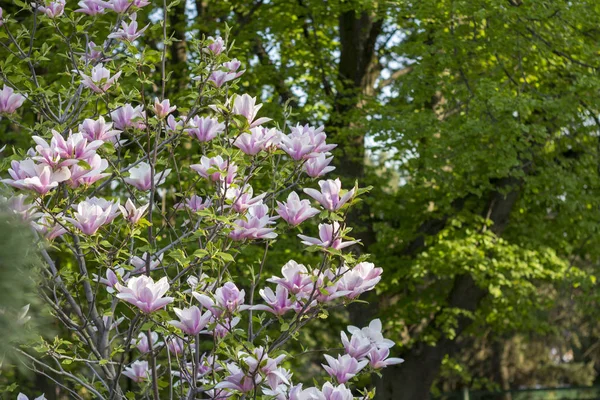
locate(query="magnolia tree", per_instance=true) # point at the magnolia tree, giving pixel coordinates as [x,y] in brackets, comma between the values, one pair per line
[147,289]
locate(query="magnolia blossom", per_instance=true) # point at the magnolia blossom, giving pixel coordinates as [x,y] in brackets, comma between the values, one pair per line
[162,108]
[233,65]
[191,320]
[295,211]
[242,198]
[340,392]
[100,80]
[93,51]
[142,343]
[216,46]
[19,205]
[9,100]
[329,236]
[344,368]
[98,130]
[144,293]
[216,169]
[278,303]
[139,263]
[52,9]
[129,31]
[112,278]
[88,174]
[358,346]
[378,358]
[175,345]
[21,396]
[255,224]
[90,7]
[259,361]
[238,380]
[121,6]
[138,371]
[295,277]
[373,334]
[318,166]
[246,106]
[50,226]
[194,203]
[205,129]
[1,20]
[131,213]
[89,217]
[40,178]
[62,152]
[140,176]
[305,142]
[228,297]
[331,196]
[218,78]
[173,125]
[362,278]
[257,140]
[128,116]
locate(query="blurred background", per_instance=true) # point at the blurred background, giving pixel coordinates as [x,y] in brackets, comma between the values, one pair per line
[477,124]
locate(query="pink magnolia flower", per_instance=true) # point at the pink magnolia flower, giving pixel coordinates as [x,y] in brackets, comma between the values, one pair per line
[40,178]
[318,166]
[100,80]
[260,362]
[205,129]
[49,226]
[358,346]
[142,343]
[175,345]
[129,117]
[238,380]
[1,20]
[340,392]
[255,224]
[295,211]
[19,205]
[163,108]
[218,78]
[21,396]
[93,52]
[138,371]
[139,263]
[144,293]
[378,358]
[305,142]
[224,326]
[233,66]
[9,100]
[140,176]
[191,320]
[373,334]
[295,277]
[82,175]
[106,205]
[246,106]
[329,236]
[216,46]
[131,213]
[53,9]
[89,217]
[90,7]
[278,303]
[129,31]
[194,203]
[242,198]
[112,278]
[331,196]
[64,152]
[362,278]
[344,368]
[216,169]
[227,298]
[257,140]
[93,130]
[173,125]
[121,6]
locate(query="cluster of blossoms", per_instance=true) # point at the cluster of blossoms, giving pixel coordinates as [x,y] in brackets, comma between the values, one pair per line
[175,289]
